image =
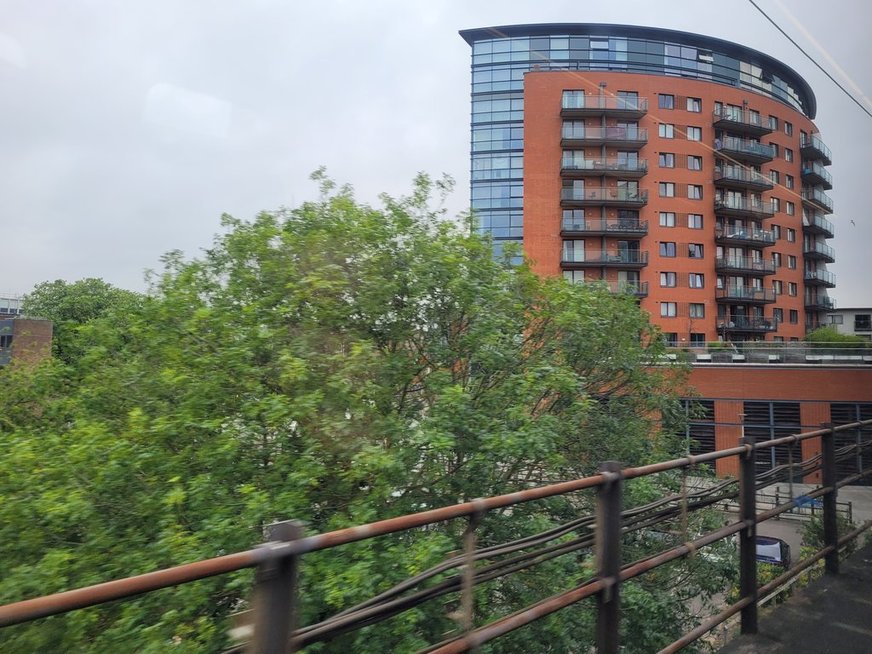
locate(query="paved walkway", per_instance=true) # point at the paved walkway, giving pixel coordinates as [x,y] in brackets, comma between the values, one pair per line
[831,616]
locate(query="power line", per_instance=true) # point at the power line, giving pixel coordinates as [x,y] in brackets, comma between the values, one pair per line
[810,58]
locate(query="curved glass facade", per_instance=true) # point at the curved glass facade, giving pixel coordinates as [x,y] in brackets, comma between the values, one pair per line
[501,56]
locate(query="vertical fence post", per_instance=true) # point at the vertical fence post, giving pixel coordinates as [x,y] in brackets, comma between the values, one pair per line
[748,535]
[467,591]
[275,595]
[828,480]
[608,557]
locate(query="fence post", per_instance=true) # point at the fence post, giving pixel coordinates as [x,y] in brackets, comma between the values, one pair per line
[608,557]
[748,535]
[828,480]
[275,595]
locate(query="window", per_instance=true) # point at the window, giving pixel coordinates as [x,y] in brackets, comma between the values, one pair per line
[667,219]
[776,205]
[776,259]
[5,340]
[774,177]
[778,315]
[665,101]
[695,250]
[694,220]
[668,310]
[790,208]
[666,131]
[773,123]
[573,220]
[696,310]
[862,322]
[794,317]
[791,262]
[671,339]
[791,233]
[573,99]
[694,104]
[668,279]
[788,154]
[667,160]
[573,251]
[697,340]
[788,128]
[694,133]
[789,182]
[774,148]
[791,289]
[694,191]
[776,231]
[694,162]
[836,320]
[778,287]
[667,249]
[667,190]
[696,280]
[574,276]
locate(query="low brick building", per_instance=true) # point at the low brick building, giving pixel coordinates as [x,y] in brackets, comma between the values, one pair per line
[24,340]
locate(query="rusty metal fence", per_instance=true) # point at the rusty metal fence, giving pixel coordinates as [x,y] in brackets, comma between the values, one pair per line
[277,562]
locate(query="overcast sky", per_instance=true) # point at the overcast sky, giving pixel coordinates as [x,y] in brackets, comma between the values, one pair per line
[128,128]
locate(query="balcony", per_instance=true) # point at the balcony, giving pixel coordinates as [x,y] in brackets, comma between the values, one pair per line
[741,178]
[584,106]
[817,224]
[597,227]
[733,236]
[819,303]
[743,208]
[816,175]
[598,196]
[820,278]
[819,252]
[745,295]
[818,199]
[737,120]
[638,289]
[747,324]
[813,148]
[744,265]
[744,150]
[628,138]
[597,258]
[578,167]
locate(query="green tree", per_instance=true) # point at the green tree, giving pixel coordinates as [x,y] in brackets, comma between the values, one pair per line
[338,364]
[830,337]
[71,305]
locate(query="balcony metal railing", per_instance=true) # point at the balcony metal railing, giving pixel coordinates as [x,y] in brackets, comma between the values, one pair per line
[748,324]
[740,120]
[605,103]
[757,352]
[745,148]
[744,206]
[817,224]
[745,294]
[745,234]
[820,303]
[604,195]
[815,174]
[813,147]
[819,250]
[743,177]
[818,198]
[609,165]
[599,226]
[597,135]
[749,264]
[604,257]
[821,277]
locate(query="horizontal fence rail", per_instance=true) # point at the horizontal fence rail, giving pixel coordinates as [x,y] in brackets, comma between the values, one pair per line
[277,561]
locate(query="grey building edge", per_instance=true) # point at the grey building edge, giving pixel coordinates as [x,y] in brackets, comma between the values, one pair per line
[727,48]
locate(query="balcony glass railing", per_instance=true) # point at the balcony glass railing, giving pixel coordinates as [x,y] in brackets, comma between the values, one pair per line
[604,194]
[600,226]
[814,142]
[745,146]
[814,168]
[746,293]
[605,165]
[738,116]
[599,257]
[748,323]
[605,102]
[739,174]
[746,205]
[817,196]
[616,134]
[631,288]
[745,263]
[824,301]
[745,234]
[824,276]
[818,222]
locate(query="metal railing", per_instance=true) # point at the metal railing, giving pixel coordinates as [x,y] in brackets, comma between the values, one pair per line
[750,234]
[818,198]
[817,223]
[599,225]
[769,352]
[605,195]
[744,205]
[277,561]
[815,147]
[813,168]
[745,147]
[607,165]
[605,102]
[601,257]
[825,277]
[741,174]
[745,263]
[815,247]
[614,134]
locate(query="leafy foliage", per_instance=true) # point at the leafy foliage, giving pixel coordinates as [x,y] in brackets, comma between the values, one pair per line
[830,336]
[337,364]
